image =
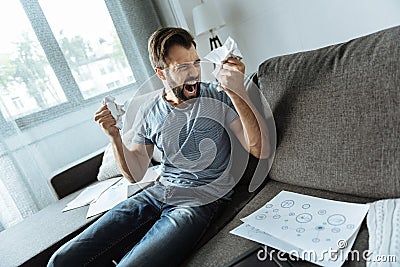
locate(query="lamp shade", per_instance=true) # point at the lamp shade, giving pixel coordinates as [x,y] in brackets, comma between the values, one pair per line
[206,17]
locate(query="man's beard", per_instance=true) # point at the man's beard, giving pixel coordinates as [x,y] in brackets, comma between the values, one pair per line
[193,90]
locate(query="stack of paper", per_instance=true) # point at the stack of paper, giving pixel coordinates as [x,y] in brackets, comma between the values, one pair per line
[314,229]
[90,194]
[106,194]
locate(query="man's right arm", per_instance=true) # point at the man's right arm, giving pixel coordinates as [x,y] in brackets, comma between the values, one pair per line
[138,155]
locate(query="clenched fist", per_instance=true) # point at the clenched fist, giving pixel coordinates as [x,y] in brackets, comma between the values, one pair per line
[107,122]
[231,76]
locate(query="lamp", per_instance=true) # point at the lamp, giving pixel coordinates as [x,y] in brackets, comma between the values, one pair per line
[207,18]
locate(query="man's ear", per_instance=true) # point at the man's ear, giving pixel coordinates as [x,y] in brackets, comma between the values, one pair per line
[160,73]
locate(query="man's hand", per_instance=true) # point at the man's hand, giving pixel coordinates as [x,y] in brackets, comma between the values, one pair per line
[137,155]
[107,122]
[235,63]
[231,76]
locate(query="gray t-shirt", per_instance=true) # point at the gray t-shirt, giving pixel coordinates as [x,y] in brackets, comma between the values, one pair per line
[195,141]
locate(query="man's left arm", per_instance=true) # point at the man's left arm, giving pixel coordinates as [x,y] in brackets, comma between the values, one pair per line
[250,129]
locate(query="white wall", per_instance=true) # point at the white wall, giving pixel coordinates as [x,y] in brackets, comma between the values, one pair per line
[267,28]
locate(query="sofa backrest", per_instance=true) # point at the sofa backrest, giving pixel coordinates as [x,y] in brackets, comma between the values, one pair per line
[337,115]
[77,175]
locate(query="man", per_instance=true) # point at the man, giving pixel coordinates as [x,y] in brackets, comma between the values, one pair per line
[190,123]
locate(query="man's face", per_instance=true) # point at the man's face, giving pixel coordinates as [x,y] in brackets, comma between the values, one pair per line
[183,72]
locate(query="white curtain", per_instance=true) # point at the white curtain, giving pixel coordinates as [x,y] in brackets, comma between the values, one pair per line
[23,187]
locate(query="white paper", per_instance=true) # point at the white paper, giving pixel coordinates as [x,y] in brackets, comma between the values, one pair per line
[117,111]
[136,187]
[120,191]
[308,223]
[254,234]
[228,49]
[221,54]
[111,197]
[90,193]
[152,174]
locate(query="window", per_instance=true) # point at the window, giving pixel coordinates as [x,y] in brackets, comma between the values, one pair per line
[92,43]
[17,102]
[58,59]
[55,57]
[25,72]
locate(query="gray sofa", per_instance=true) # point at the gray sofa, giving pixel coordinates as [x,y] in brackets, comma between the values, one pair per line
[336,111]
[337,115]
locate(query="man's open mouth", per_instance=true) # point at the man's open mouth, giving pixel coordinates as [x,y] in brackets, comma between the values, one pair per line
[190,89]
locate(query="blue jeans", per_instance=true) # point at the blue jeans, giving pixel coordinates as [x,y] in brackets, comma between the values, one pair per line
[159,234]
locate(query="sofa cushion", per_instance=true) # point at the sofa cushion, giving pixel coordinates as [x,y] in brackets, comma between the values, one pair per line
[224,247]
[336,111]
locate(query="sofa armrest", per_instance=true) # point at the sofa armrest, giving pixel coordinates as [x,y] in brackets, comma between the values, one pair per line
[77,175]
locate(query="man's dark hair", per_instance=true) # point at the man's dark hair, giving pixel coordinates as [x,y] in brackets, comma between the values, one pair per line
[161,40]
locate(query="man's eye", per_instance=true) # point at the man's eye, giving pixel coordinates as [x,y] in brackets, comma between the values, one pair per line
[182,67]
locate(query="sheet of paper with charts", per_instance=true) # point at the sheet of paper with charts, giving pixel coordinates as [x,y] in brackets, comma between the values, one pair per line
[317,230]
